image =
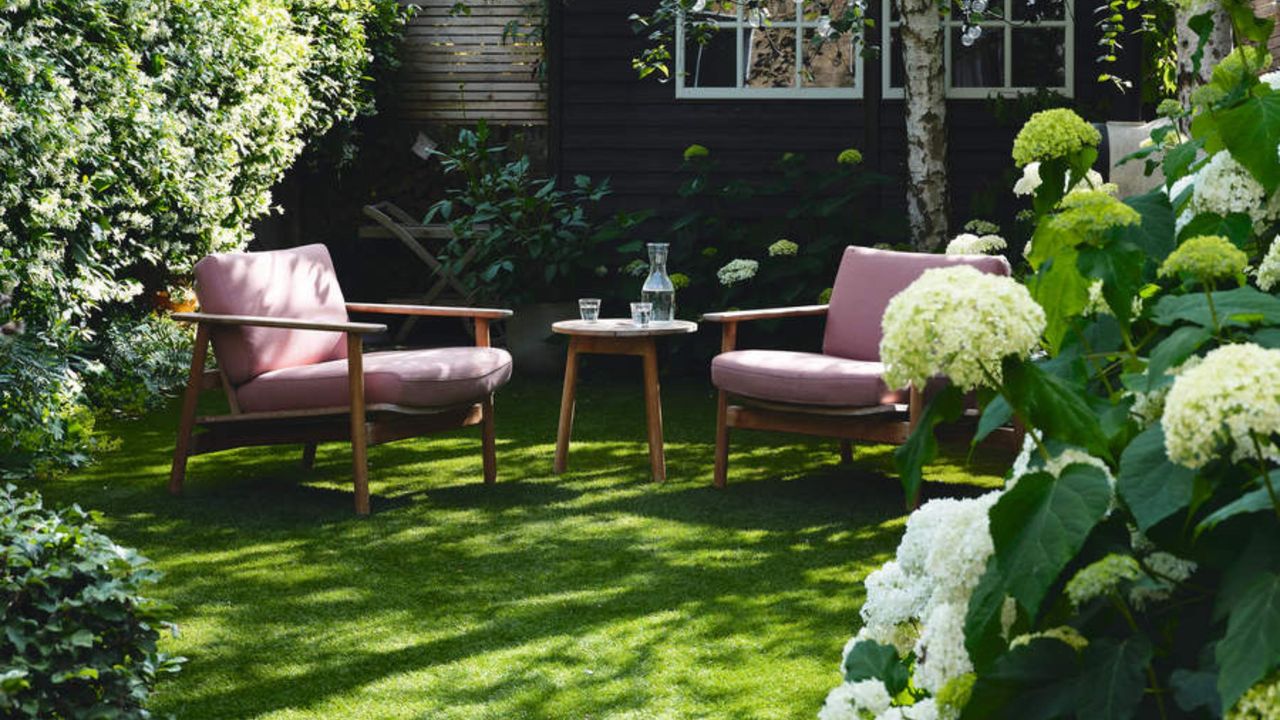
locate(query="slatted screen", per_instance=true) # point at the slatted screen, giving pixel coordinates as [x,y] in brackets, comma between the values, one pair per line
[459,68]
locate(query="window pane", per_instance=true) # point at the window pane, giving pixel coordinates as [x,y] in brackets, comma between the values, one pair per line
[1039,9]
[773,10]
[827,63]
[773,58]
[712,64]
[981,65]
[1039,57]
[897,69]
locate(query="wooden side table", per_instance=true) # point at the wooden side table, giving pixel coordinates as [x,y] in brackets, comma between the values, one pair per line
[616,337]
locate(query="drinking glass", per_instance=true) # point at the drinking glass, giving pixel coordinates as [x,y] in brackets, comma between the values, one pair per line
[589,309]
[641,313]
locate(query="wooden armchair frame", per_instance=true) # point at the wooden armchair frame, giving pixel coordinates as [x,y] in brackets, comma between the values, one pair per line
[890,423]
[870,424]
[361,424]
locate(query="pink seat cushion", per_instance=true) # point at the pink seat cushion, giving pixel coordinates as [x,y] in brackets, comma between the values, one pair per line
[295,283]
[435,377]
[803,378]
[867,280]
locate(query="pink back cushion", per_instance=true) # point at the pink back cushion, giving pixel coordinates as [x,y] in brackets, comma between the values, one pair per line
[296,283]
[867,280]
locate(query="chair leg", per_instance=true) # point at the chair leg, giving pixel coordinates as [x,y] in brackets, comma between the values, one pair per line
[720,476]
[846,451]
[308,456]
[187,422]
[488,438]
[359,442]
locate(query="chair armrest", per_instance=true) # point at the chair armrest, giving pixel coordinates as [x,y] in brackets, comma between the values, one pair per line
[430,310]
[279,322]
[765,313]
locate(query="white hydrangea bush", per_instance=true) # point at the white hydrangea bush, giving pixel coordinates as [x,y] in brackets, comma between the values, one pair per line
[1135,533]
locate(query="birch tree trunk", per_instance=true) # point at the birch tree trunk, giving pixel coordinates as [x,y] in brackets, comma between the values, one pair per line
[926,107]
[1217,47]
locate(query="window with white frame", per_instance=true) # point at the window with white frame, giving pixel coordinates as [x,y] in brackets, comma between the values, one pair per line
[780,49]
[1023,45]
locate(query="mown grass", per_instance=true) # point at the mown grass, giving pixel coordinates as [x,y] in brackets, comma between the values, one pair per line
[594,594]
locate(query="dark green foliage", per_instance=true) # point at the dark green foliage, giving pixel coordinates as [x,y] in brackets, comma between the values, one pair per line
[79,639]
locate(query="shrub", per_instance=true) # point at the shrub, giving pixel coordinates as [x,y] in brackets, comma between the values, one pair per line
[140,363]
[1130,567]
[78,640]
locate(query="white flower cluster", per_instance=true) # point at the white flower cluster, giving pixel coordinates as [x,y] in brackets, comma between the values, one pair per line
[970,244]
[1223,186]
[1030,181]
[1268,274]
[1102,577]
[736,271]
[958,322]
[1149,406]
[1261,702]
[856,701]
[1233,395]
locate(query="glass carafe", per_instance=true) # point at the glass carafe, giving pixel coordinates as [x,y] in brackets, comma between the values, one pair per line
[657,287]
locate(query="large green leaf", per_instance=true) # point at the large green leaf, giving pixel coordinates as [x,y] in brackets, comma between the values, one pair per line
[1119,267]
[1236,227]
[869,659]
[1194,689]
[1155,233]
[1040,525]
[1234,307]
[1250,502]
[983,626]
[995,414]
[1055,406]
[1176,162]
[1112,683]
[1152,486]
[1173,351]
[1251,648]
[1036,681]
[922,446]
[1062,292]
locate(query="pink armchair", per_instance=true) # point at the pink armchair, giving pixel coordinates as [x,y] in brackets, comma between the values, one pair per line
[294,371]
[840,392]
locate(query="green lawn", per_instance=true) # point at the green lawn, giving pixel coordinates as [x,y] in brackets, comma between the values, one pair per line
[595,594]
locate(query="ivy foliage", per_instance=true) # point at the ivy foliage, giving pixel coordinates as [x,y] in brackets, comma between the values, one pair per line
[77,637]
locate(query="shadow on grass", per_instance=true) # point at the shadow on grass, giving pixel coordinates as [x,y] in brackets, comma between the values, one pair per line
[591,594]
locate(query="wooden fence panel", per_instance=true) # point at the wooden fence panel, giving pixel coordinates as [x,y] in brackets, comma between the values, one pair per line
[459,68]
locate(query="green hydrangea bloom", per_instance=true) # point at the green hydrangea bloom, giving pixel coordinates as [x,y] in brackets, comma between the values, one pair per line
[1206,95]
[1051,134]
[1102,577]
[824,297]
[696,151]
[1062,633]
[1169,108]
[783,247]
[982,227]
[679,281]
[956,693]
[1207,258]
[1088,211]
[709,252]
[849,156]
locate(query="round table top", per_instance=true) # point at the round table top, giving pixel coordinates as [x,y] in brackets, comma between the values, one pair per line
[622,327]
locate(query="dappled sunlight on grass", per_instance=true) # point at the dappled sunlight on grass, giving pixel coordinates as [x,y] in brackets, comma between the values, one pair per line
[595,594]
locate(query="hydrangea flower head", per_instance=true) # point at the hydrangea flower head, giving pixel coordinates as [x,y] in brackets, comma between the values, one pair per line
[1233,394]
[1224,186]
[1268,275]
[679,281]
[856,701]
[696,151]
[849,156]
[1260,702]
[1169,108]
[1091,211]
[982,227]
[956,693]
[636,268]
[959,322]
[1051,134]
[970,244]
[1102,577]
[783,247]
[1207,258]
[736,271]
[1030,181]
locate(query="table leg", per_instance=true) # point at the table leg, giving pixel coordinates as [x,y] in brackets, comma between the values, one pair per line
[565,428]
[653,412]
